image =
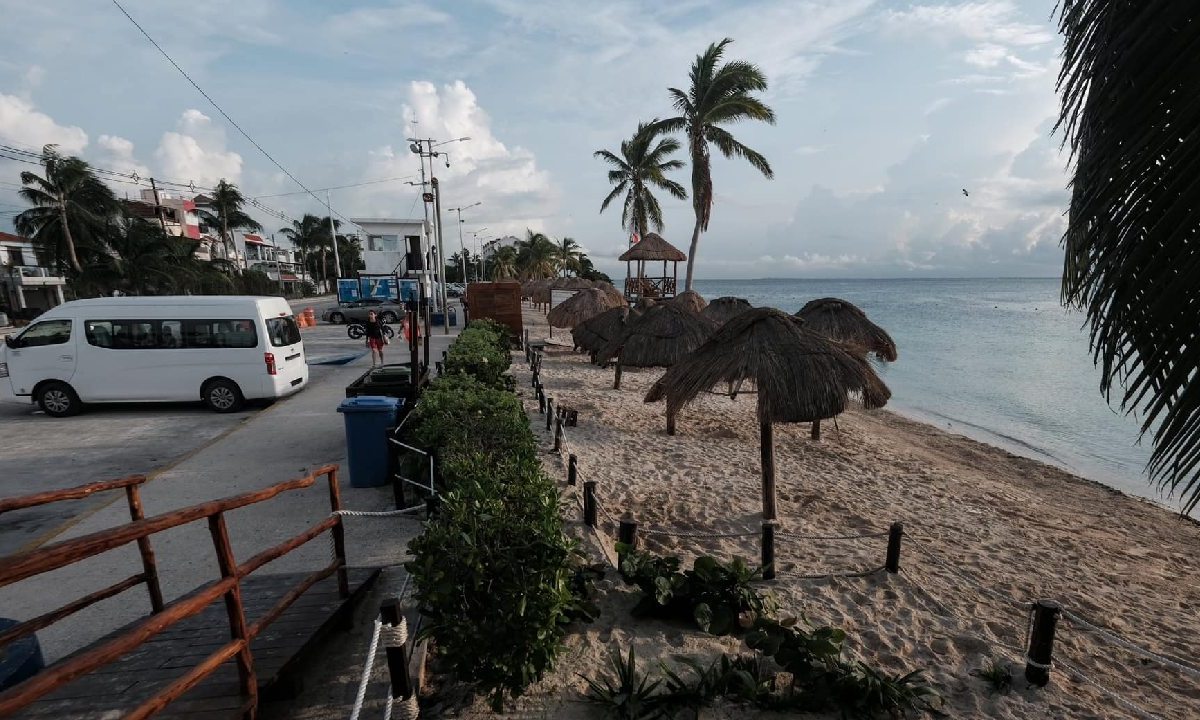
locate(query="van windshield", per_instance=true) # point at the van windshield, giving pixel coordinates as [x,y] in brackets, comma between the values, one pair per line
[283,331]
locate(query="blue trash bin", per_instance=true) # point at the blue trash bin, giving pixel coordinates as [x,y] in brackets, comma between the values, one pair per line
[19,660]
[368,419]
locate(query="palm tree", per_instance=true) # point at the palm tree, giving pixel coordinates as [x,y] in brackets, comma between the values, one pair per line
[227,215]
[350,254]
[639,168]
[504,263]
[71,210]
[1130,112]
[719,94]
[305,235]
[535,255]
[567,254]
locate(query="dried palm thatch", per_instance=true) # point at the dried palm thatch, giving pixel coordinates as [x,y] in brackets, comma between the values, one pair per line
[660,337]
[593,334]
[653,247]
[845,322]
[583,305]
[608,289]
[801,376]
[540,293]
[690,300]
[574,283]
[723,309]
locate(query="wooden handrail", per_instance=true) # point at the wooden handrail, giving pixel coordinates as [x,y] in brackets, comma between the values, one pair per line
[41,621]
[189,680]
[75,493]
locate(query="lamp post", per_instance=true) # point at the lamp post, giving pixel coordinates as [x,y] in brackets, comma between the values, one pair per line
[478,250]
[462,250]
[424,147]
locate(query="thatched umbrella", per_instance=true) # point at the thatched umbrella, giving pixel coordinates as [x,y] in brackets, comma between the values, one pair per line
[583,305]
[690,300]
[661,337]
[723,309]
[540,293]
[801,376]
[843,321]
[593,334]
[611,291]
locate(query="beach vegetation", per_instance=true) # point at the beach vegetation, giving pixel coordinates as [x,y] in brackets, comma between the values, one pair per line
[720,93]
[636,171]
[739,677]
[996,674]
[625,691]
[481,353]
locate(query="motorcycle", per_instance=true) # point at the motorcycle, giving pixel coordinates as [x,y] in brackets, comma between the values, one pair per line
[356,331]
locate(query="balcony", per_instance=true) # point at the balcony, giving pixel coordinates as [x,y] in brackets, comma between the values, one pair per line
[34,276]
[649,287]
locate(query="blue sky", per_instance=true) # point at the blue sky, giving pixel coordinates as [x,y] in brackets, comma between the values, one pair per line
[886,111]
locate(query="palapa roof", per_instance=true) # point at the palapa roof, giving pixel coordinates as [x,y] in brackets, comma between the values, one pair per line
[724,309]
[690,300]
[653,247]
[845,322]
[583,305]
[608,289]
[573,283]
[800,375]
[593,334]
[659,338]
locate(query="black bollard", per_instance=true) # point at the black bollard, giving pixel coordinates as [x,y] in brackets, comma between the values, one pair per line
[627,532]
[572,469]
[549,412]
[1041,642]
[589,502]
[892,563]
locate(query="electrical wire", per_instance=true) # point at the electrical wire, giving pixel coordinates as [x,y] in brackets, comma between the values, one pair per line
[338,187]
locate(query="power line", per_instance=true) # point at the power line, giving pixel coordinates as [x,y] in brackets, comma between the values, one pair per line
[220,109]
[338,187]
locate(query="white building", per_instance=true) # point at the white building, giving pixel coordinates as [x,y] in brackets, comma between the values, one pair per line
[385,248]
[25,286]
[491,246]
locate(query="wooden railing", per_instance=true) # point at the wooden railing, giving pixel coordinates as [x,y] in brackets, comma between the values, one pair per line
[650,287]
[15,568]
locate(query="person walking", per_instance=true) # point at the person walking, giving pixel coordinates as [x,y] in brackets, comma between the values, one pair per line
[375,337]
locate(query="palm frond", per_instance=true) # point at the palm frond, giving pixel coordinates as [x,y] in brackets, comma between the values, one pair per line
[730,147]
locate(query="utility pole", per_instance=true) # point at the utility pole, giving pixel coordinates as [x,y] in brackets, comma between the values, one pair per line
[278,267]
[437,205]
[157,207]
[461,249]
[337,263]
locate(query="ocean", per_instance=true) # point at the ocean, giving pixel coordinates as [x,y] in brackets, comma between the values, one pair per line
[998,360]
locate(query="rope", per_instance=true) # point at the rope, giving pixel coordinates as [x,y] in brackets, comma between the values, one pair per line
[368,664]
[693,534]
[820,576]
[1135,710]
[1002,599]
[987,637]
[790,536]
[377,513]
[1136,649]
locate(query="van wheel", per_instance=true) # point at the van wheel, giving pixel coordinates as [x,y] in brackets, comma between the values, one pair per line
[388,317]
[223,396]
[337,318]
[57,399]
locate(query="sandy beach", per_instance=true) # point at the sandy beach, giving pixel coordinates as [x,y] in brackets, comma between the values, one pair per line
[987,532]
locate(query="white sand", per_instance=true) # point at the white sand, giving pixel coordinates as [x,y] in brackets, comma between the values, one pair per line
[1019,528]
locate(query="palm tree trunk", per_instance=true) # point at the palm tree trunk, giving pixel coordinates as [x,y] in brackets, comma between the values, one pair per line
[68,238]
[325,269]
[692,254]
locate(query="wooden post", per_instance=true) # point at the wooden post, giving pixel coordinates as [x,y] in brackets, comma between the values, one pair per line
[339,534]
[390,614]
[437,364]
[670,423]
[617,377]
[235,610]
[541,396]
[1041,642]
[766,449]
[816,430]
[572,469]
[549,412]
[526,339]
[149,564]
[893,549]
[573,418]
[393,470]
[589,502]
[432,504]
[627,532]
[533,379]
[558,432]
[768,550]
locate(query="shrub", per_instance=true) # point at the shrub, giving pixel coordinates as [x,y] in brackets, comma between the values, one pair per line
[627,693]
[476,353]
[458,413]
[503,336]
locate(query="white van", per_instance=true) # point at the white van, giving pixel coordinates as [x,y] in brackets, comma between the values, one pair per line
[221,350]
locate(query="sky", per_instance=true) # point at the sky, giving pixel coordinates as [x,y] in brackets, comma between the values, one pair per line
[886,113]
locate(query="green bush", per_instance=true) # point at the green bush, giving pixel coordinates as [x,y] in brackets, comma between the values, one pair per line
[457,413]
[503,336]
[477,353]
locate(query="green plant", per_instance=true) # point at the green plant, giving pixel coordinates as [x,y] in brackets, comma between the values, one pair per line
[739,677]
[627,693]
[717,596]
[501,333]
[458,413]
[997,674]
[477,353]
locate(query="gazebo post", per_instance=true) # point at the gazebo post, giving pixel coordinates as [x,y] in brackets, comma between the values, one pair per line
[674,275]
[670,422]
[617,378]
[816,430]
[766,450]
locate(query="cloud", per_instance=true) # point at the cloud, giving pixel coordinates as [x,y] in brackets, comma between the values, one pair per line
[515,193]
[990,23]
[22,124]
[196,152]
[367,20]
[116,153]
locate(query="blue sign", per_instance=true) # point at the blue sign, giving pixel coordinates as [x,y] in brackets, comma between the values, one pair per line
[348,290]
[409,290]
[382,288]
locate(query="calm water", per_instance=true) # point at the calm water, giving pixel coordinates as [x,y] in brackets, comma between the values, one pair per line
[998,360]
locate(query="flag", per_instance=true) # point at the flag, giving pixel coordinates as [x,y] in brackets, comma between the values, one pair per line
[634,239]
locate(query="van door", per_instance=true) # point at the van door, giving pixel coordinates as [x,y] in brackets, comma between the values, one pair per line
[44,351]
[287,348]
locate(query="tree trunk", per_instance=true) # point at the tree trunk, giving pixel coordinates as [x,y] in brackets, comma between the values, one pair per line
[68,238]
[325,269]
[692,254]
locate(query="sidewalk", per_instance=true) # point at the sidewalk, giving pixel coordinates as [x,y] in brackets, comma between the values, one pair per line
[284,441]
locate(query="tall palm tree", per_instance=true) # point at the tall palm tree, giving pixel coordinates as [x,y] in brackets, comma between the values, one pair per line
[720,94]
[305,234]
[640,167]
[504,263]
[227,215]
[1131,113]
[535,255]
[567,254]
[71,210]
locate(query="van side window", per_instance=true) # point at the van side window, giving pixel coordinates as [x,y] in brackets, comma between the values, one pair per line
[122,334]
[170,334]
[47,332]
[219,334]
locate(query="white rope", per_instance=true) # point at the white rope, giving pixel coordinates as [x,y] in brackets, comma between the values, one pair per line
[1137,649]
[821,576]
[673,532]
[1002,599]
[368,664]
[790,536]
[378,513]
[988,637]
[1135,710]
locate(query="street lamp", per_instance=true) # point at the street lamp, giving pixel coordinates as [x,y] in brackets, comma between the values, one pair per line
[462,249]
[424,147]
[478,250]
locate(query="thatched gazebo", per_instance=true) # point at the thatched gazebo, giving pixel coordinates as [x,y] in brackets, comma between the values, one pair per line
[800,375]
[660,337]
[651,248]
[583,305]
[593,334]
[845,322]
[691,301]
[724,309]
